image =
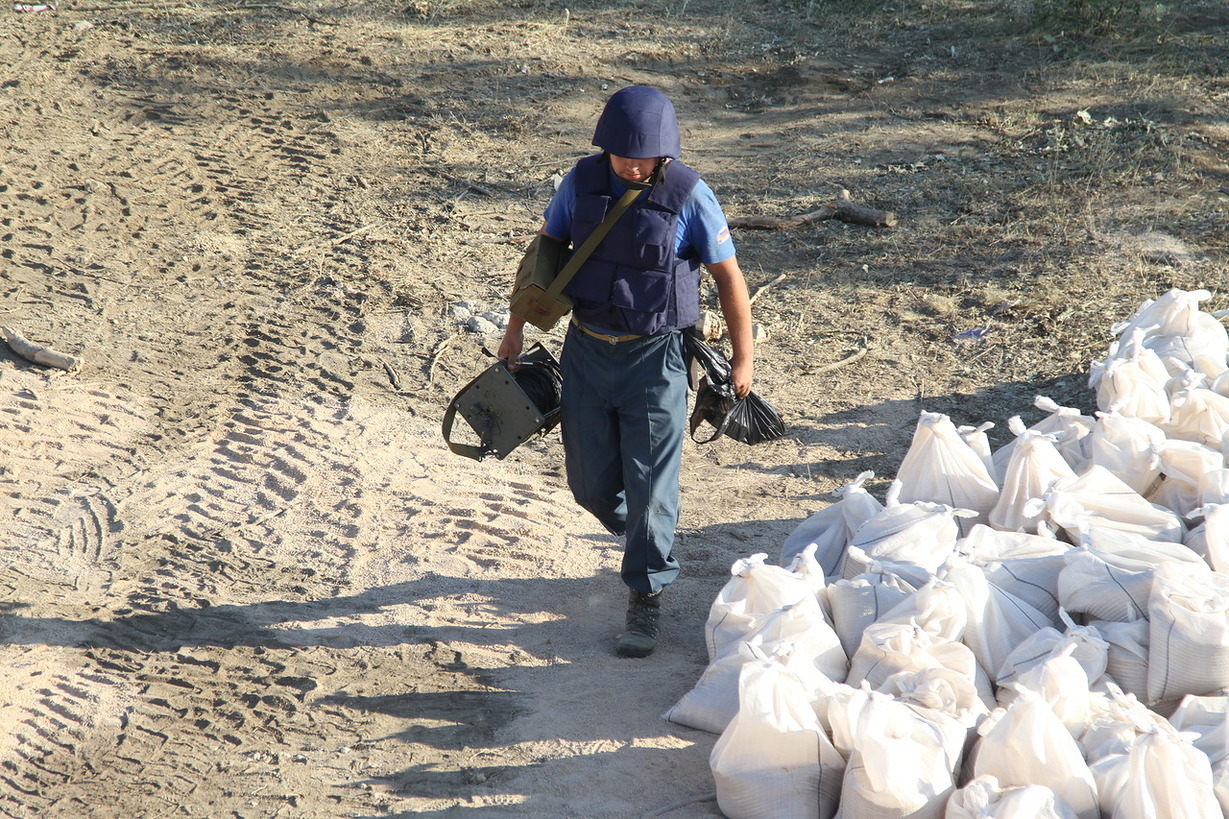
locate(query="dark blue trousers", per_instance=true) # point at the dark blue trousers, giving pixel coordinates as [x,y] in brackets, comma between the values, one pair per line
[623,417]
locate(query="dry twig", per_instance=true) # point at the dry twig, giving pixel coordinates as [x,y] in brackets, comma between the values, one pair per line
[842,208]
[38,353]
[849,359]
[435,357]
[760,292]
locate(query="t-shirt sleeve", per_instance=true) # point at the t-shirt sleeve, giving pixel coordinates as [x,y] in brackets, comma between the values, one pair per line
[558,213]
[706,232]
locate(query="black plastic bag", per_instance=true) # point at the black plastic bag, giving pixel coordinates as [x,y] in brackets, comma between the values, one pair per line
[749,420]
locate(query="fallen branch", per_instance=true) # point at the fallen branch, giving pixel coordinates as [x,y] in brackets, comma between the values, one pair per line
[435,358]
[842,208]
[393,378]
[849,359]
[760,292]
[38,353]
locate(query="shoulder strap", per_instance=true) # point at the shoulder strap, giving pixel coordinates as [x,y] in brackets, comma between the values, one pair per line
[587,246]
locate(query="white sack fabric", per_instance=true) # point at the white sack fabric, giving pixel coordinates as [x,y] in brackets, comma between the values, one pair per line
[1162,777]
[984,798]
[903,762]
[831,528]
[797,630]
[1028,745]
[919,533]
[940,467]
[754,590]
[1188,614]
[1129,447]
[1030,647]
[1132,381]
[1034,467]
[774,761]
[1098,498]
[861,601]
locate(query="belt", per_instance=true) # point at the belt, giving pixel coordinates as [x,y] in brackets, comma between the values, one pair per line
[602,336]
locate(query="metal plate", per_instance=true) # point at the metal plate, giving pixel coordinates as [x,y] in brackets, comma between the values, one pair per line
[499,411]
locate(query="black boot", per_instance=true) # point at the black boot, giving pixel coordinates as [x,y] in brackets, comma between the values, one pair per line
[639,638]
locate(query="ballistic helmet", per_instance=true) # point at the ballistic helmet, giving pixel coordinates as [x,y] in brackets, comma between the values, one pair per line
[638,122]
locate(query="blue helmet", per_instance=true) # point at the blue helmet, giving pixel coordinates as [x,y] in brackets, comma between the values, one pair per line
[638,122]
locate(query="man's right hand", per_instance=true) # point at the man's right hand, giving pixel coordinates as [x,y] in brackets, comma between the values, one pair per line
[513,342]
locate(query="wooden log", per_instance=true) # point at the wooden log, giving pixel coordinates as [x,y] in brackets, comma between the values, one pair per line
[38,353]
[842,208]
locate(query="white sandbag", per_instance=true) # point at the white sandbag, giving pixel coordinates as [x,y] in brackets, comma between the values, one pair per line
[997,620]
[807,567]
[979,442]
[1183,465]
[1136,546]
[1196,412]
[1126,654]
[1119,721]
[985,545]
[1061,681]
[1207,718]
[1206,721]
[774,760]
[1103,586]
[843,708]
[1163,777]
[1099,498]
[857,562]
[1132,381]
[830,529]
[1070,426]
[1034,466]
[1210,539]
[861,601]
[937,608]
[940,467]
[1028,745]
[1066,425]
[1033,580]
[985,798]
[1189,632]
[918,533]
[1084,643]
[712,702]
[890,648]
[1176,312]
[939,689]
[798,632]
[1128,447]
[1202,342]
[826,695]
[1023,565]
[1214,487]
[754,589]
[903,762]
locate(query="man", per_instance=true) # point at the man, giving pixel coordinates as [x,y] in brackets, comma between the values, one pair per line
[624,399]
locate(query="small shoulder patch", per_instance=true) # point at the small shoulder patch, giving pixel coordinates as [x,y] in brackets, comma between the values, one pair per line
[723,236]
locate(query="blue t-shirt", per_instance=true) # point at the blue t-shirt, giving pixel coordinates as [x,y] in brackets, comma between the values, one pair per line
[702,230]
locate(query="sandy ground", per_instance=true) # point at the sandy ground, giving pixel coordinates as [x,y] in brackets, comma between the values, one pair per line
[240,573]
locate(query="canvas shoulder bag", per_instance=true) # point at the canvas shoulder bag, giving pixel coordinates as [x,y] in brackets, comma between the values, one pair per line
[546,268]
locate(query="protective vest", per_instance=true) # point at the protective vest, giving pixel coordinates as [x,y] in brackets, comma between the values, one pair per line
[634,281]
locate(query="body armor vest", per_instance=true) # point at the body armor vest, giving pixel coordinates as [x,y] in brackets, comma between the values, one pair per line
[634,282]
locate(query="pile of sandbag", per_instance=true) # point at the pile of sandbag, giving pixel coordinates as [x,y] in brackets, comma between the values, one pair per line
[1036,631]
